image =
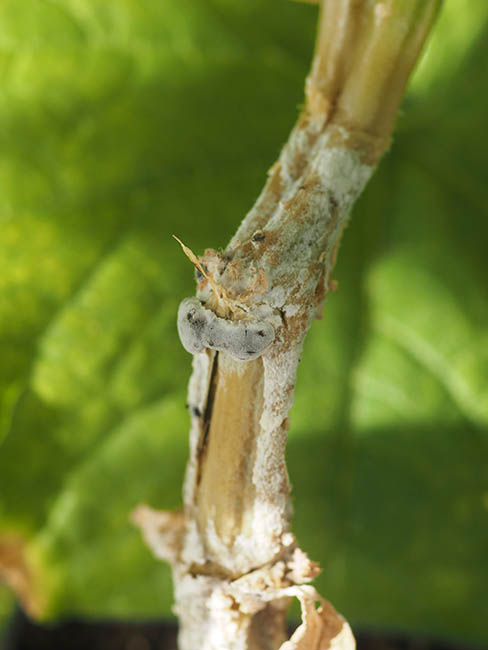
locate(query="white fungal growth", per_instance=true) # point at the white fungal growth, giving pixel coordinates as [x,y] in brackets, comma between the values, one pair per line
[200,328]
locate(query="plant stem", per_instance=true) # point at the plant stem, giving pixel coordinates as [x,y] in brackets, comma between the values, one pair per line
[235,562]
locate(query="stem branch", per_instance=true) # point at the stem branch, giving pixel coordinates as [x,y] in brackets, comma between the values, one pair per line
[235,561]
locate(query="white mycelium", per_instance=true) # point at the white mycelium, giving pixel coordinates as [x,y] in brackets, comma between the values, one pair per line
[200,328]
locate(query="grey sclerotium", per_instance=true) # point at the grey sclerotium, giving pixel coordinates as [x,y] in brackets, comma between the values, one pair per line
[200,328]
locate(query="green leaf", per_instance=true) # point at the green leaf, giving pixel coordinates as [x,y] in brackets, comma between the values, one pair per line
[124,122]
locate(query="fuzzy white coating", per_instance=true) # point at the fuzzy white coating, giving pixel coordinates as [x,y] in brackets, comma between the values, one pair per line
[191,323]
[200,328]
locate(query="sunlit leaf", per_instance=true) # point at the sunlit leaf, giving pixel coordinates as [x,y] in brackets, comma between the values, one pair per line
[122,123]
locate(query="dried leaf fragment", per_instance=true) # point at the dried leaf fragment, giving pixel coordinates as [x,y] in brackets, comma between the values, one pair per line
[322,628]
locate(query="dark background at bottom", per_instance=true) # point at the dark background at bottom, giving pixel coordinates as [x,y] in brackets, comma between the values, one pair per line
[23,634]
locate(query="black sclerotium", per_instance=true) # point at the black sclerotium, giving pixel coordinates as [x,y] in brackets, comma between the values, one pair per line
[200,328]
[258,236]
[195,411]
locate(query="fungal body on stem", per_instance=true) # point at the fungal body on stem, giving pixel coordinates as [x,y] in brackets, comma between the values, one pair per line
[200,328]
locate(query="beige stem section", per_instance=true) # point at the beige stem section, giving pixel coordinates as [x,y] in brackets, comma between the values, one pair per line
[365,53]
[226,488]
[235,562]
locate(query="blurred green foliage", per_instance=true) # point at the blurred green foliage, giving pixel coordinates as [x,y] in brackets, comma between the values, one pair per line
[124,121]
